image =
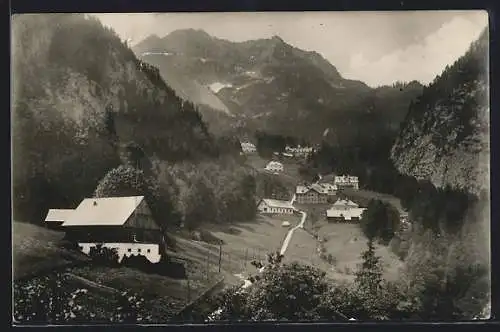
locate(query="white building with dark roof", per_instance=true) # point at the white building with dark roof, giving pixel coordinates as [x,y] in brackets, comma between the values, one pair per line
[248,147]
[274,166]
[346,181]
[313,194]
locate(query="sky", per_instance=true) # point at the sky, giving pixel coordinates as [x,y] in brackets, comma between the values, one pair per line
[377,48]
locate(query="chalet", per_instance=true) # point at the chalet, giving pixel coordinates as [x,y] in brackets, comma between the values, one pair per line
[344,211]
[56,217]
[329,188]
[273,206]
[122,223]
[347,181]
[248,147]
[299,151]
[274,166]
[313,194]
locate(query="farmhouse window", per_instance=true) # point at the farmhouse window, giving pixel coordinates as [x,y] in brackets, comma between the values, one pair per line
[149,250]
[129,250]
[139,250]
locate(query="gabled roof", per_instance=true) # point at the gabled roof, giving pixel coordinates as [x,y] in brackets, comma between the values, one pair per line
[346,214]
[301,189]
[316,187]
[329,186]
[319,188]
[58,214]
[345,203]
[278,204]
[107,211]
[346,179]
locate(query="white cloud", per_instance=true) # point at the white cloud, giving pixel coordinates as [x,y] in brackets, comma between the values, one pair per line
[421,61]
[374,47]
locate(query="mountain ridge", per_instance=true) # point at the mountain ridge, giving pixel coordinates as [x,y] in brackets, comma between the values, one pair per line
[265,83]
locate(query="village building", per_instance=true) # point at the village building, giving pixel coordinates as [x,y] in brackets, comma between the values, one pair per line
[56,217]
[273,206]
[248,147]
[121,223]
[329,188]
[313,194]
[274,166]
[344,210]
[299,151]
[347,181]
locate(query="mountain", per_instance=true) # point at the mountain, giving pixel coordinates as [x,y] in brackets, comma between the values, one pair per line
[78,93]
[271,85]
[445,136]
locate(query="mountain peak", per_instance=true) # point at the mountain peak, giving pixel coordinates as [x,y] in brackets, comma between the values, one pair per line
[189,33]
[277,38]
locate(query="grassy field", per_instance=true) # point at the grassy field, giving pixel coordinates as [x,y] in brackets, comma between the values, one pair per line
[245,242]
[39,249]
[346,242]
[303,248]
[290,172]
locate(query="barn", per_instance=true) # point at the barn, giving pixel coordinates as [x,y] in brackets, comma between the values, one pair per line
[274,206]
[122,223]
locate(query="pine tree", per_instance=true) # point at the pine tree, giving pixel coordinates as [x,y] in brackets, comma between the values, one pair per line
[369,276]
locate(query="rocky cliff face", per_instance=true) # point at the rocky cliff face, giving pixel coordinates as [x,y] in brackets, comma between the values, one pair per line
[445,136]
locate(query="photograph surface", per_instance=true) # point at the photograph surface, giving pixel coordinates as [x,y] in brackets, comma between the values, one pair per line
[256,166]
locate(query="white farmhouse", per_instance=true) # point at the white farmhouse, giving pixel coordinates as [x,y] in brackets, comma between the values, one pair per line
[347,181]
[273,206]
[248,147]
[121,223]
[274,166]
[344,211]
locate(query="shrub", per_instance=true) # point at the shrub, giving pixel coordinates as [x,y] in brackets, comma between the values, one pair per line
[104,256]
[52,300]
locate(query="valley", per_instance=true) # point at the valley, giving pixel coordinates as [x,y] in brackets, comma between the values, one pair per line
[191,177]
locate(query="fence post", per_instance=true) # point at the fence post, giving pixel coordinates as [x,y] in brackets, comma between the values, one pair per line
[208,264]
[220,255]
[189,290]
[246,256]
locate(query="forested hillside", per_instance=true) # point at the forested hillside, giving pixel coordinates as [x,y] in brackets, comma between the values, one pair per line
[79,94]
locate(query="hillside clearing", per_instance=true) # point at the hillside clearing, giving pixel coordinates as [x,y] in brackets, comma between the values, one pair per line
[244,242]
[346,243]
[290,174]
[37,249]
